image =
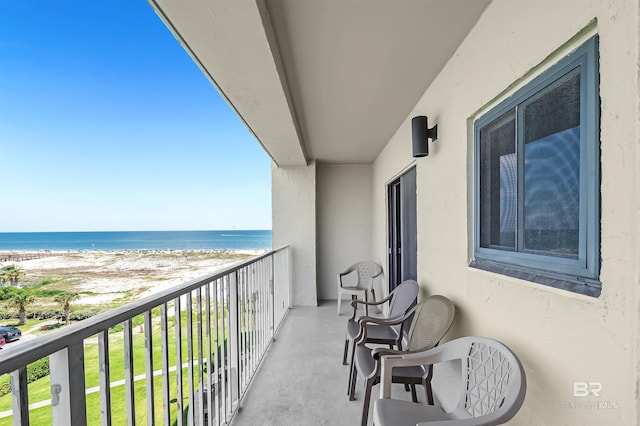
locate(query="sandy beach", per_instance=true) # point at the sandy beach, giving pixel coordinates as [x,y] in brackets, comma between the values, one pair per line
[107,277]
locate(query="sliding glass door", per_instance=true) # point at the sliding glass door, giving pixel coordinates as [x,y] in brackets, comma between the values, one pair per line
[402,247]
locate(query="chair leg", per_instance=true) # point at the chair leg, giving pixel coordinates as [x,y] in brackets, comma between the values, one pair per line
[366,307]
[339,302]
[414,396]
[367,400]
[354,377]
[346,350]
[353,352]
[429,392]
[427,386]
[353,367]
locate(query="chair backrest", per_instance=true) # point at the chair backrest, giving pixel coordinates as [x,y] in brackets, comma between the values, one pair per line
[432,319]
[403,297]
[367,271]
[493,382]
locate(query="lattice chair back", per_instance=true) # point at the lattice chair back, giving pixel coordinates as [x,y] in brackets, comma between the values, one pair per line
[494,385]
[404,295]
[432,319]
[367,271]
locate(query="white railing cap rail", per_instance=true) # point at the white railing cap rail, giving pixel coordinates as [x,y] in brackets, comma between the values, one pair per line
[32,350]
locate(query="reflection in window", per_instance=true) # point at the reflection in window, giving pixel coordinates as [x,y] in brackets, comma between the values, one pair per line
[537,211]
[552,194]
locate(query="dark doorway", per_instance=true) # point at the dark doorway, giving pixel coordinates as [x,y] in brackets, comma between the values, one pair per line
[403,242]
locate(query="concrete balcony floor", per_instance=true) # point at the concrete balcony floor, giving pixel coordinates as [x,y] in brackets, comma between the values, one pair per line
[302,380]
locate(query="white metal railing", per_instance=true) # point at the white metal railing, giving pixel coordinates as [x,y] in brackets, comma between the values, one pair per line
[209,334]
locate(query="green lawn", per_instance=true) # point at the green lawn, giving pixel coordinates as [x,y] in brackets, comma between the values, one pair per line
[40,389]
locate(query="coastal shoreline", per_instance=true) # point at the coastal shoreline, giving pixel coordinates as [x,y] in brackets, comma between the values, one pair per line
[107,278]
[75,251]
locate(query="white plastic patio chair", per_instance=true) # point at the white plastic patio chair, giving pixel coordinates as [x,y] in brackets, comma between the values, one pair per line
[492,388]
[366,271]
[432,319]
[400,301]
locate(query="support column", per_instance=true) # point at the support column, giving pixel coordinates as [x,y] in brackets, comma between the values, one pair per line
[294,224]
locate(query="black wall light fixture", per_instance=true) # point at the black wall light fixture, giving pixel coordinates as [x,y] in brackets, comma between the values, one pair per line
[421,133]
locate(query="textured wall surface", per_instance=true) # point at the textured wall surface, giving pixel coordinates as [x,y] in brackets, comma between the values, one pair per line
[344,222]
[294,218]
[561,337]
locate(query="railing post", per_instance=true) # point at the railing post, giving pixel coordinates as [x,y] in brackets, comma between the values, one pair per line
[20,397]
[190,377]
[164,338]
[201,383]
[105,378]
[234,338]
[178,330]
[68,403]
[210,359]
[129,392]
[148,356]
[272,296]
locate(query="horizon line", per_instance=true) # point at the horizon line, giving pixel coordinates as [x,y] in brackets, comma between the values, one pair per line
[145,230]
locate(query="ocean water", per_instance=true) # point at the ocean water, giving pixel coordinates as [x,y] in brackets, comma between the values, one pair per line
[137,240]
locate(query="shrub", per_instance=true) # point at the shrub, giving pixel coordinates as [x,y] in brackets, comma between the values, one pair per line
[45,313]
[36,370]
[5,385]
[8,314]
[47,292]
[83,314]
[48,280]
[7,291]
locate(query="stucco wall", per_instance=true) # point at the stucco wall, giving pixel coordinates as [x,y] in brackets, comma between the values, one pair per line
[561,337]
[294,216]
[344,197]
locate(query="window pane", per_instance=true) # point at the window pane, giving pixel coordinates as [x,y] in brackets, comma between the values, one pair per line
[552,170]
[498,183]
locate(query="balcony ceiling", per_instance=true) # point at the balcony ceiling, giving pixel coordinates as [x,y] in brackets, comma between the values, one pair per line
[327,80]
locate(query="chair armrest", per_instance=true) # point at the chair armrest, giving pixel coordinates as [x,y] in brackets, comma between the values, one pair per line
[354,305]
[369,319]
[343,273]
[430,356]
[376,353]
[364,321]
[387,321]
[379,302]
[347,271]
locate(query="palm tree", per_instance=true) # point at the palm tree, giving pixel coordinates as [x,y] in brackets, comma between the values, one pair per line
[20,299]
[65,300]
[11,273]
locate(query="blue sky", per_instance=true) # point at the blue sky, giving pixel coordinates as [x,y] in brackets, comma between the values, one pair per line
[107,124]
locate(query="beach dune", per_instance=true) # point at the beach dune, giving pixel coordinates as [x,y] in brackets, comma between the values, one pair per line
[105,277]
